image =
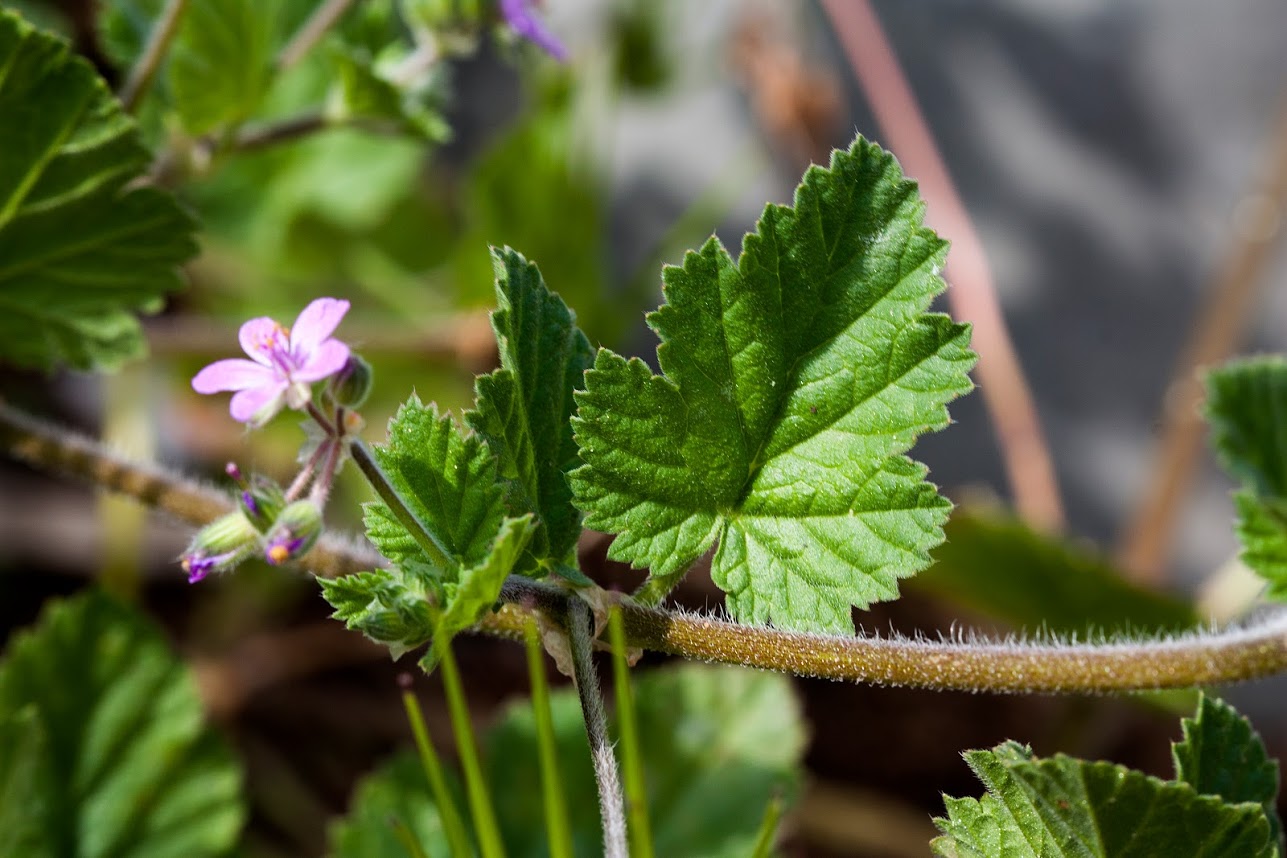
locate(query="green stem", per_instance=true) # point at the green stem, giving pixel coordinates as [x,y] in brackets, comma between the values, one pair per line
[408,840]
[158,43]
[379,481]
[311,32]
[452,826]
[768,828]
[480,801]
[557,829]
[632,768]
[611,804]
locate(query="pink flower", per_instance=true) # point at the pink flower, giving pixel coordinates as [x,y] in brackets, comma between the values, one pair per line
[284,363]
[522,18]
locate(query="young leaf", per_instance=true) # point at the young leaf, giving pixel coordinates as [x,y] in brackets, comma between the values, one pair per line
[1245,405]
[707,784]
[81,248]
[365,92]
[394,794]
[221,62]
[1062,806]
[524,407]
[1221,755]
[122,761]
[448,482]
[793,382]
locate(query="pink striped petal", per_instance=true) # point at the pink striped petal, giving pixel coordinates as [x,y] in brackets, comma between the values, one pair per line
[257,404]
[261,338]
[326,361]
[316,322]
[232,374]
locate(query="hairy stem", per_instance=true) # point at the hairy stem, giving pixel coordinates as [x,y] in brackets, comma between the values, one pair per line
[611,804]
[480,800]
[452,825]
[379,481]
[631,753]
[558,831]
[1206,658]
[158,42]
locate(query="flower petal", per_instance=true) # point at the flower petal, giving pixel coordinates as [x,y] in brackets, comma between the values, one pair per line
[327,360]
[232,374]
[521,15]
[258,405]
[261,338]
[316,322]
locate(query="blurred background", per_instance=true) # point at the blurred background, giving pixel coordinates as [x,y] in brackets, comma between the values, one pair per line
[1112,176]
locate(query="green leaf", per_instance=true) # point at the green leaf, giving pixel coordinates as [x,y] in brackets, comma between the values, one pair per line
[365,91]
[999,567]
[1067,807]
[26,783]
[1221,755]
[221,62]
[449,481]
[396,793]
[388,607]
[708,783]
[524,407]
[81,249]
[115,730]
[1247,408]
[794,380]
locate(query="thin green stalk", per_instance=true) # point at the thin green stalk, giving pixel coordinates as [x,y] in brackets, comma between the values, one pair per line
[486,830]
[557,829]
[768,828]
[632,768]
[158,43]
[611,804]
[408,840]
[452,825]
[379,481]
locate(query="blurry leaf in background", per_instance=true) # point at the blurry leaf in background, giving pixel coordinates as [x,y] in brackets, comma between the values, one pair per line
[81,250]
[122,761]
[395,794]
[1222,755]
[367,90]
[641,62]
[26,782]
[718,743]
[221,62]
[999,567]
[1247,409]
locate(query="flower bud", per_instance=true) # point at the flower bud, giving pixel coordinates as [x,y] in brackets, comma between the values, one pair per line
[349,387]
[219,546]
[294,533]
[261,500]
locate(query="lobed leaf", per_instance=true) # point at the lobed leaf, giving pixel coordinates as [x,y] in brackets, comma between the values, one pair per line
[109,743]
[523,409]
[221,62]
[82,248]
[1247,409]
[793,380]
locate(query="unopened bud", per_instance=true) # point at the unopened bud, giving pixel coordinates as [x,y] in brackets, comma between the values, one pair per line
[219,546]
[294,533]
[261,500]
[350,386]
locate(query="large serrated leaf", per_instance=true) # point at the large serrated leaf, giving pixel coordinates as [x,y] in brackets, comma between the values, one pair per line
[81,249]
[1247,408]
[1222,755]
[125,765]
[1063,807]
[524,407]
[793,382]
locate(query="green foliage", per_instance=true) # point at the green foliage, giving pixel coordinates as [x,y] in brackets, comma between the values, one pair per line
[1222,755]
[83,249]
[366,92]
[221,62]
[1003,569]
[1247,408]
[103,745]
[794,380]
[708,784]
[1063,806]
[395,795]
[524,408]
[448,572]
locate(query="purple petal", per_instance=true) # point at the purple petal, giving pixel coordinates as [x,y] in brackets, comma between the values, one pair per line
[316,322]
[324,362]
[253,404]
[232,374]
[262,338]
[520,15]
